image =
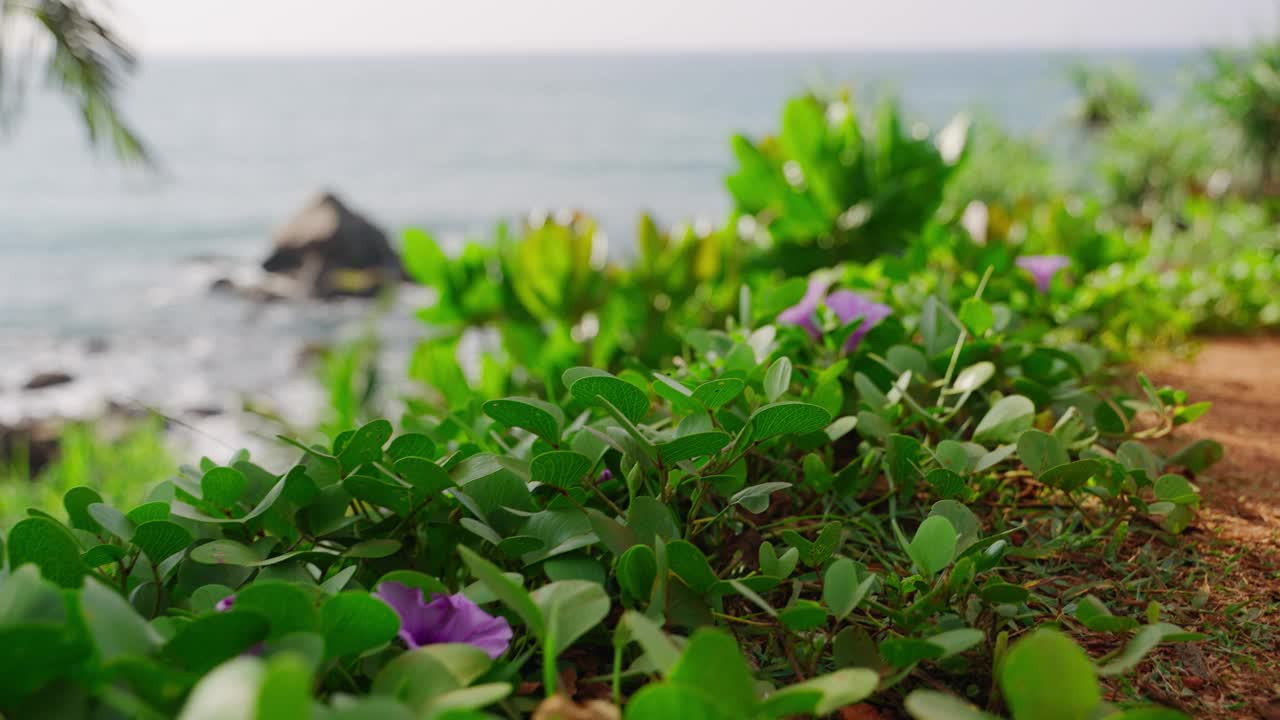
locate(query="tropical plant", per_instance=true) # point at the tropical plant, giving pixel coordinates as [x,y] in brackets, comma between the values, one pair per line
[1245,87]
[82,56]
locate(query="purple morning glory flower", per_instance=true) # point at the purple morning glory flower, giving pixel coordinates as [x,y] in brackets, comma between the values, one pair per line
[846,304]
[850,306]
[804,313]
[446,619]
[225,603]
[1043,268]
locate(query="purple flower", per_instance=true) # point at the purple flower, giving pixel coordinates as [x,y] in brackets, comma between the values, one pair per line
[605,475]
[1043,268]
[850,306]
[805,312]
[846,304]
[446,619]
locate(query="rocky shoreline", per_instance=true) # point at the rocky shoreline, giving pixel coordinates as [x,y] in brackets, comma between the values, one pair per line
[239,365]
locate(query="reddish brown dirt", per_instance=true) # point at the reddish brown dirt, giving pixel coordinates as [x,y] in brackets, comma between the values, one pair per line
[1238,531]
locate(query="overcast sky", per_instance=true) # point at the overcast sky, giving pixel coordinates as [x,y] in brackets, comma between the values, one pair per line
[335,27]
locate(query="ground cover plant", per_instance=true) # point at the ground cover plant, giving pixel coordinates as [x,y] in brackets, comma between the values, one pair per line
[867,449]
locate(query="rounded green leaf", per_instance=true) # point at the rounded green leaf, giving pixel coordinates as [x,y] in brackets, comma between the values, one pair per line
[777,379]
[355,622]
[223,486]
[694,445]
[782,418]
[1073,475]
[1039,451]
[161,538]
[225,552]
[630,400]
[1034,660]
[1006,420]
[212,639]
[934,545]
[50,547]
[637,571]
[77,501]
[287,607]
[713,394]
[690,565]
[537,416]
[559,468]
[411,445]
[365,445]
[934,705]
[570,608]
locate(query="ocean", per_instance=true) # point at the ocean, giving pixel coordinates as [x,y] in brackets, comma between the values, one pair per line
[117,260]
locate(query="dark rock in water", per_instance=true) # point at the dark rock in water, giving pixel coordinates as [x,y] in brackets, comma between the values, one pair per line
[222,284]
[203,411]
[332,251]
[33,445]
[47,379]
[97,345]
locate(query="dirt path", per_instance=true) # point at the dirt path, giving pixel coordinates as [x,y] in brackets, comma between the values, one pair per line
[1238,532]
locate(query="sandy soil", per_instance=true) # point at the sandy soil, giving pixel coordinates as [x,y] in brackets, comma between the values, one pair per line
[1239,528]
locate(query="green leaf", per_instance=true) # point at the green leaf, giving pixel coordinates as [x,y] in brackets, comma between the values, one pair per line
[779,566]
[933,546]
[781,418]
[947,484]
[714,394]
[694,445]
[902,453]
[228,693]
[287,607]
[38,653]
[422,675]
[657,646]
[1005,421]
[1042,654]
[77,501]
[537,416]
[1004,593]
[662,701]
[112,520]
[161,538]
[146,512]
[840,587]
[1198,456]
[225,552]
[380,493]
[365,445]
[559,468]
[822,695]
[427,478]
[1094,615]
[1176,489]
[905,652]
[637,571]
[210,640]
[977,316]
[354,622]
[803,615]
[1072,476]
[756,497]
[570,608]
[713,666]
[50,547]
[934,705]
[117,630]
[688,562]
[627,398]
[223,486]
[411,445]
[777,379]
[1039,451]
[286,689]
[510,593]
[966,524]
